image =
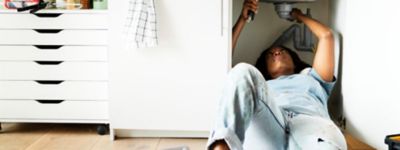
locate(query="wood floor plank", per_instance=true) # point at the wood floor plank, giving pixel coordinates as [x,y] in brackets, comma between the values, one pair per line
[354,144]
[20,136]
[67,137]
[84,137]
[127,144]
[181,144]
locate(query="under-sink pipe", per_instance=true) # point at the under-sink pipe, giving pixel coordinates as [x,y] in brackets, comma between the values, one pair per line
[301,41]
[284,7]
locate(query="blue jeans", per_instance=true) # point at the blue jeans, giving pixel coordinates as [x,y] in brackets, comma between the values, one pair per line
[248,118]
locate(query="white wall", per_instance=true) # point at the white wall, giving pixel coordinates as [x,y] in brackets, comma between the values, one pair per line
[267,27]
[370,75]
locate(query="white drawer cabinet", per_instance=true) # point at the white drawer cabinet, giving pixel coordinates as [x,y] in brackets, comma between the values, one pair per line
[53,21]
[54,53]
[53,89]
[53,70]
[54,67]
[70,111]
[53,37]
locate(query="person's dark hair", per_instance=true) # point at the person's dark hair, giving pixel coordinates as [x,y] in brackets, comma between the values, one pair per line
[261,63]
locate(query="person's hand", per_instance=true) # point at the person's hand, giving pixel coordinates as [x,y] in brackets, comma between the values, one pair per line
[248,5]
[296,13]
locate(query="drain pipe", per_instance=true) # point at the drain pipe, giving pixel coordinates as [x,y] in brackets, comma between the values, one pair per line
[300,43]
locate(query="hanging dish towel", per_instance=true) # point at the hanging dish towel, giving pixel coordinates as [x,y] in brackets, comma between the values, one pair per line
[141,23]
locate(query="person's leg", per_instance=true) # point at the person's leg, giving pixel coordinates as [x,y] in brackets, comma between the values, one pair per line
[264,134]
[309,132]
[245,94]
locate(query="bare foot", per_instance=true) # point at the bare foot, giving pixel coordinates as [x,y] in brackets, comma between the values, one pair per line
[220,145]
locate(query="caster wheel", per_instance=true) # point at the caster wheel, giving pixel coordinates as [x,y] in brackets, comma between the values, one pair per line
[102,129]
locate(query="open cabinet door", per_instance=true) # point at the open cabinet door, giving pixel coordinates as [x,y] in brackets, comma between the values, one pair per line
[176,85]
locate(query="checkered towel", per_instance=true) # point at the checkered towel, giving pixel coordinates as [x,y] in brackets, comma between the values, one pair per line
[141,23]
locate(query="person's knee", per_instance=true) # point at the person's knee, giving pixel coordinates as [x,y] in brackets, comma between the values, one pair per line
[243,70]
[243,67]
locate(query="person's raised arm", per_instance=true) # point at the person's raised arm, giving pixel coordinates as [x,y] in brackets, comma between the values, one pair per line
[248,5]
[324,59]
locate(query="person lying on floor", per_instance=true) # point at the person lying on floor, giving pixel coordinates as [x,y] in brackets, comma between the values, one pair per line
[292,94]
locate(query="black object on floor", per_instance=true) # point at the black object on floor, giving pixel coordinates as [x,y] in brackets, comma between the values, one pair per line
[393,141]
[102,129]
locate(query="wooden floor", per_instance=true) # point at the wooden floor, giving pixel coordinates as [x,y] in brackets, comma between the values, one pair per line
[84,137]
[81,137]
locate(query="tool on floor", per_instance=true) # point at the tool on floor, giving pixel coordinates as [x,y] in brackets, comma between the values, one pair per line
[393,141]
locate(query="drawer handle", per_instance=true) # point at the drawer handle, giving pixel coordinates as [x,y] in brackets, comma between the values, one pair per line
[48,15]
[49,101]
[49,62]
[49,81]
[48,46]
[48,31]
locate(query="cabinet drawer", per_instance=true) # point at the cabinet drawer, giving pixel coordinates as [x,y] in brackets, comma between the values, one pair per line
[53,70]
[66,90]
[54,53]
[53,21]
[32,109]
[53,37]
